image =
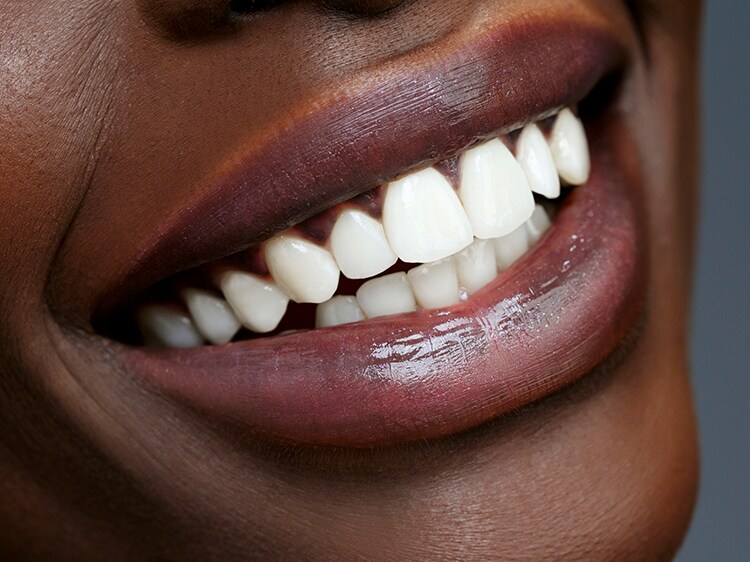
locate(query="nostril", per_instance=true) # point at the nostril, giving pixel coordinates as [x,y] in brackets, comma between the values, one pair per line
[187,19]
[364,7]
[182,19]
[248,6]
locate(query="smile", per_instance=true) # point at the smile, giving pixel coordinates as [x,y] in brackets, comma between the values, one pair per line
[462,234]
[498,260]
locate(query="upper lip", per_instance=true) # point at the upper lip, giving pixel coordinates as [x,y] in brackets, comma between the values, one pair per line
[385,122]
[549,320]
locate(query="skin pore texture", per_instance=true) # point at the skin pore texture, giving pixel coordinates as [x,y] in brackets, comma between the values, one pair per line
[116,116]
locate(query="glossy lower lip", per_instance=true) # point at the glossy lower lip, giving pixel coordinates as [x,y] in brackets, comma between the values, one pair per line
[541,325]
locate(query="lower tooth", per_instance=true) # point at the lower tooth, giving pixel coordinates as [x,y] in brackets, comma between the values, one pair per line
[435,284]
[212,316]
[538,224]
[165,326]
[383,296]
[258,303]
[337,311]
[476,265]
[508,249]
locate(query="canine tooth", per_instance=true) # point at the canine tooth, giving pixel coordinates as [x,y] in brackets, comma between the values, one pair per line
[510,248]
[423,218]
[476,265]
[383,296]
[212,316]
[570,149]
[359,245]
[306,272]
[435,285]
[535,158]
[337,311]
[258,304]
[538,224]
[494,190]
[164,326]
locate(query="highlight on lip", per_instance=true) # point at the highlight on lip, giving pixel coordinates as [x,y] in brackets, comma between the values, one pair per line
[427,240]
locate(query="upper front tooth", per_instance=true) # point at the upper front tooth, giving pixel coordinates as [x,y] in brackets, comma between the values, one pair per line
[306,272]
[383,296]
[538,224]
[164,326]
[359,245]
[423,218]
[570,149]
[536,160]
[476,265]
[259,304]
[435,285]
[337,311]
[494,190]
[212,316]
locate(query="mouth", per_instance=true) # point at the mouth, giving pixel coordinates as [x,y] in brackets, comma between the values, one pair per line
[442,250]
[462,220]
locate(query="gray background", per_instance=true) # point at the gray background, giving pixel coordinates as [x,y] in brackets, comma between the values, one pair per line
[721,304]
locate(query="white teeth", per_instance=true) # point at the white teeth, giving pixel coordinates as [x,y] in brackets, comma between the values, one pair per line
[423,218]
[259,304]
[383,296]
[511,247]
[212,316]
[535,158]
[458,241]
[435,285]
[337,311]
[476,265]
[359,245]
[306,272]
[538,224]
[164,326]
[570,149]
[494,190]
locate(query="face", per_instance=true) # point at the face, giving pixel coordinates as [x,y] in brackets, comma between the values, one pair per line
[359,278]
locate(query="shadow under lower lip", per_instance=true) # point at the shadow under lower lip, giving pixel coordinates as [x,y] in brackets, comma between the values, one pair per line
[541,325]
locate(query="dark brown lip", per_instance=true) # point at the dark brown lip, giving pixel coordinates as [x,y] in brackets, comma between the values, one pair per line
[543,324]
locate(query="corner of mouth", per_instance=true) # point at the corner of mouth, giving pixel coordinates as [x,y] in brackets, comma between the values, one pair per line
[553,315]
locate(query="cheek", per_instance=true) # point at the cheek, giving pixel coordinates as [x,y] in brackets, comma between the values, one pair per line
[55,94]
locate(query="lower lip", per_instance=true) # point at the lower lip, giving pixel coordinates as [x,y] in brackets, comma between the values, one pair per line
[541,325]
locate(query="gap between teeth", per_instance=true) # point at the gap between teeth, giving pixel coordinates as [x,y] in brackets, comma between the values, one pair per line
[459,240]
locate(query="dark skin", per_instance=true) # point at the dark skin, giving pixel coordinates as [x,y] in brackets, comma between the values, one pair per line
[110,111]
